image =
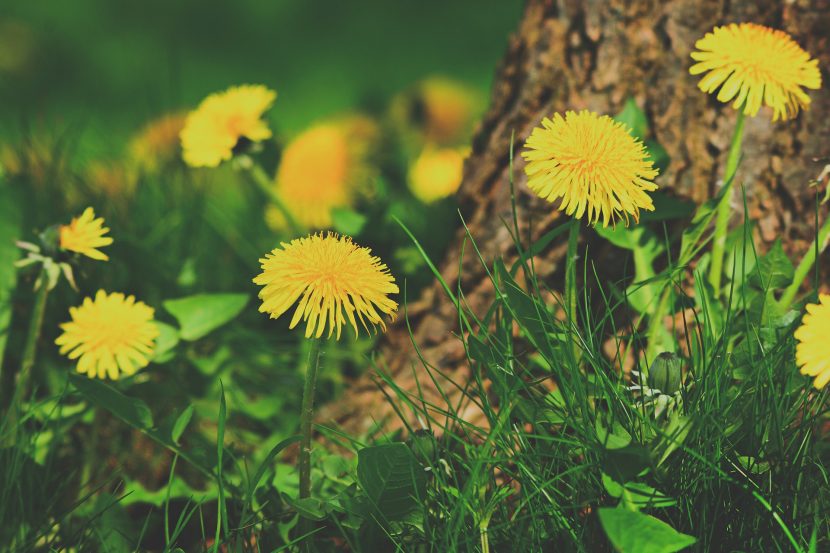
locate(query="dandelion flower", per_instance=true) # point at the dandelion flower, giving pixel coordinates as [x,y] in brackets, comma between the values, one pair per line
[85,234]
[109,336]
[214,129]
[330,275]
[756,65]
[322,169]
[436,174]
[593,164]
[812,353]
[157,144]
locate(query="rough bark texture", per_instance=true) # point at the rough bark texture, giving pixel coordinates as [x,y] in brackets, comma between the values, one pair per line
[595,54]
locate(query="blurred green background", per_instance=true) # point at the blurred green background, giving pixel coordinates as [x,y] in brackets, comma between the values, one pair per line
[110,66]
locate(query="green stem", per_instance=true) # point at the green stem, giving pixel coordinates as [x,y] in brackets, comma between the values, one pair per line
[35,325]
[306,417]
[804,266]
[570,283]
[724,209]
[260,179]
[655,327]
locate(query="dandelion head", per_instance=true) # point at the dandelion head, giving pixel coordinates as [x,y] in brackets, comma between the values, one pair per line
[157,144]
[110,336]
[811,352]
[436,173]
[324,168]
[85,234]
[754,66]
[593,164]
[334,280]
[447,109]
[215,128]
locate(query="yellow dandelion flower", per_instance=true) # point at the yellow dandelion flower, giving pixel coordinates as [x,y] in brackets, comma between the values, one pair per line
[593,164]
[812,353]
[447,109]
[85,234]
[324,168]
[109,336]
[436,173]
[756,65]
[329,275]
[213,130]
[157,144]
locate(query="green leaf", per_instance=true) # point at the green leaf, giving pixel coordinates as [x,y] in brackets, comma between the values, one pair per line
[635,532]
[394,481]
[634,118]
[181,424]
[658,155]
[774,270]
[615,437]
[133,411]
[166,341]
[642,295]
[347,221]
[10,224]
[200,314]
[691,240]
[533,316]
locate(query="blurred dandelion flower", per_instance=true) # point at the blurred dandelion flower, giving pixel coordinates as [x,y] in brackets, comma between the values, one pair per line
[756,65]
[85,234]
[593,164]
[157,144]
[109,336]
[329,275]
[447,109]
[324,168]
[436,173]
[214,129]
[812,353]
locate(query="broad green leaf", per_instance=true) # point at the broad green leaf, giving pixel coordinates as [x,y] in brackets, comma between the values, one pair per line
[394,481]
[774,270]
[10,225]
[635,532]
[657,154]
[646,248]
[166,341]
[347,221]
[135,492]
[308,507]
[634,118]
[131,410]
[200,314]
[615,437]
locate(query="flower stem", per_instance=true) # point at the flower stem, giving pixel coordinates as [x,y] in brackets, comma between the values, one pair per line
[260,179]
[804,266]
[35,325]
[306,417]
[722,220]
[570,283]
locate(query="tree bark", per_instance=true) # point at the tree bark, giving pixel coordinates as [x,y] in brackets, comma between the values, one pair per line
[595,54]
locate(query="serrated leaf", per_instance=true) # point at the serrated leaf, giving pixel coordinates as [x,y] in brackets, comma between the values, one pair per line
[635,532]
[393,480]
[200,314]
[131,410]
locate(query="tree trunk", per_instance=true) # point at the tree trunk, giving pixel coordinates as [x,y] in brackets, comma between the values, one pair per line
[595,54]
